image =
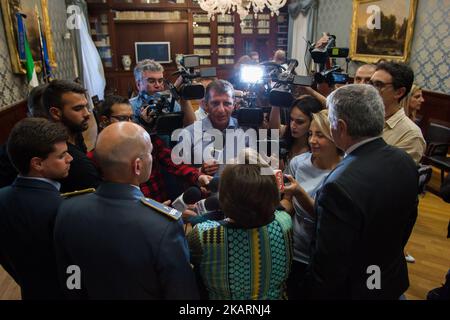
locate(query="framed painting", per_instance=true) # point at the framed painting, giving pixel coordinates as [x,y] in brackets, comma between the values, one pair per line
[382,29]
[31,9]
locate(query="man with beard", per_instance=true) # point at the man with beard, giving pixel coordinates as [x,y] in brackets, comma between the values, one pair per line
[65,102]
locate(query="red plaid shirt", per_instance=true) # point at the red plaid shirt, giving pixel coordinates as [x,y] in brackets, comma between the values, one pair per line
[155,187]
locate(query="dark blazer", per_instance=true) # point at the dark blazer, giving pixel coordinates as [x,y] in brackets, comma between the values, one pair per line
[7,171]
[82,173]
[27,215]
[366,210]
[124,249]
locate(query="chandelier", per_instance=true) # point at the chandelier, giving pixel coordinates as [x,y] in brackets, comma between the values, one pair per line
[242,7]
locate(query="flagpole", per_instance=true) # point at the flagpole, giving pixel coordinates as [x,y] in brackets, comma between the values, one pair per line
[41,45]
[25,52]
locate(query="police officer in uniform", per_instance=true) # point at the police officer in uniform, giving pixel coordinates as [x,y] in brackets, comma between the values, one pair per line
[38,150]
[115,243]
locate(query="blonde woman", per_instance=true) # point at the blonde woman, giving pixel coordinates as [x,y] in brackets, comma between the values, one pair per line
[412,102]
[309,169]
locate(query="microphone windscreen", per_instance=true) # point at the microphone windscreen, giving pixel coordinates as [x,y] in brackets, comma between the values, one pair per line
[213,185]
[192,195]
[212,203]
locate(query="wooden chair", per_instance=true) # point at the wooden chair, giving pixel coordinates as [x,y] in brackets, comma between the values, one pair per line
[438,142]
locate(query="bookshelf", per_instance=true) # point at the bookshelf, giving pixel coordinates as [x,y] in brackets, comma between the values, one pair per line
[117,24]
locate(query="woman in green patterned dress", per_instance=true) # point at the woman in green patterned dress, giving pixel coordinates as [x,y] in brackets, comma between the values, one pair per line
[248,255]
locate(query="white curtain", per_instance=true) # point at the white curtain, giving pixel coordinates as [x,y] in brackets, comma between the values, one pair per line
[93,73]
[302,24]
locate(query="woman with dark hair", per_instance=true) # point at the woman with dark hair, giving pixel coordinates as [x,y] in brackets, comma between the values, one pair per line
[295,133]
[247,255]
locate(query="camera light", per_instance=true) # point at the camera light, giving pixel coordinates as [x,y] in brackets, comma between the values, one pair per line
[252,74]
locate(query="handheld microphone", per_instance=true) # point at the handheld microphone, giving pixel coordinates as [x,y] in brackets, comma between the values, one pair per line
[213,185]
[192,195]
[207,209]
[210,204]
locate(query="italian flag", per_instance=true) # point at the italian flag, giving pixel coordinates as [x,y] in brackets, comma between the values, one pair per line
[29,66]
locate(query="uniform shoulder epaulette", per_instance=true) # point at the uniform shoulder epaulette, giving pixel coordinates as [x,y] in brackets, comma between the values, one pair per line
[77,193]
[159,207]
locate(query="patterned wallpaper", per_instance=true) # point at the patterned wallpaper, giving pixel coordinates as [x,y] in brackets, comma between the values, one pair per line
[431,46]
[335,17]
[431,43]
[13,87]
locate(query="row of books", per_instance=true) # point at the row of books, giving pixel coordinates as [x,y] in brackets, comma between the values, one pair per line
[148,15]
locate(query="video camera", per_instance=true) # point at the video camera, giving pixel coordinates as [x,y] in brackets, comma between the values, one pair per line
[331,76]
[281,94]
[161,108]
[320,56]
[268,80]
[250,114]
[257,80]
[190,90]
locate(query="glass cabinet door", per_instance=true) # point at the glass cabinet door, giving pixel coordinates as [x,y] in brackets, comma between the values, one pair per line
[225,39]
[202,37]
[100,34]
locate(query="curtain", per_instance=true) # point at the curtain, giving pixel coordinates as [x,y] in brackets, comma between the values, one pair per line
[89,62]
[302,25]
[90,66]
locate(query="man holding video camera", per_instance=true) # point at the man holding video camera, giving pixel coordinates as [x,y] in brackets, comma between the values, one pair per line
[150,82]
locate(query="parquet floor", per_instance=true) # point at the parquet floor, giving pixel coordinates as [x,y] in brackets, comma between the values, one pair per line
[429,246]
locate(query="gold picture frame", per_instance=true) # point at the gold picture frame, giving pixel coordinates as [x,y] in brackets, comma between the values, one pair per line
[9,8]
[385,38]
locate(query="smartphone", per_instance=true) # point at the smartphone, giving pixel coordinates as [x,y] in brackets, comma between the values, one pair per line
[280,179]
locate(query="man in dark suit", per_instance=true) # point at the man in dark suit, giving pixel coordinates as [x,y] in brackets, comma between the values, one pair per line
[366,208]
[38,150]
[124,245]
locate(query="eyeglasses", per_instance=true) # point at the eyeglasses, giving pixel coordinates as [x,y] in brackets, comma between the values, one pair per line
[379,84]
[153,80]
[122,118]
